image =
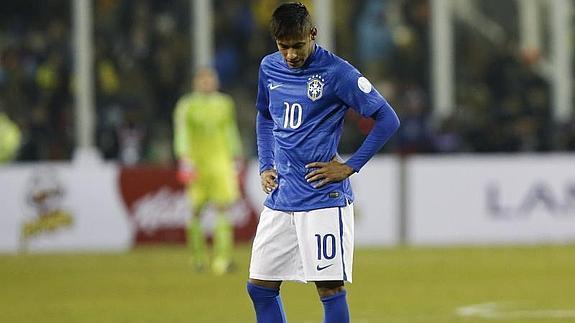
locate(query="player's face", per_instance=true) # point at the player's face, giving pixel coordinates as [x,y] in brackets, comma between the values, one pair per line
[296,50]
[206,80]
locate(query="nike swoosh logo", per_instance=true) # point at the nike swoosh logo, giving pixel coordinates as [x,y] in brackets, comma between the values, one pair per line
[318,268]
[273,87]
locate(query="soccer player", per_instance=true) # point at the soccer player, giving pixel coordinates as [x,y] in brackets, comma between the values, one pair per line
[305,231]
[206,142]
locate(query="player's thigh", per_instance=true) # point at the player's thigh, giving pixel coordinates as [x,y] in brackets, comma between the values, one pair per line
[275,252]
[197,192]
[325,237]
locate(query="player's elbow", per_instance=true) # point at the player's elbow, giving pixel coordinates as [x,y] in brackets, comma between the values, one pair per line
[389,119]
[395,123]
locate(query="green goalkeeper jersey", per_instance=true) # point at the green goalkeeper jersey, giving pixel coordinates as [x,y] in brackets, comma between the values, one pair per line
[205,130]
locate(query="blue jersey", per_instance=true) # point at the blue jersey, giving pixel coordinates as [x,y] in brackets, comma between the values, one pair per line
[307,106]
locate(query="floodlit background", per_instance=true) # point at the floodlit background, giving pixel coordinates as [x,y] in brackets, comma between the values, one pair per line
[466,215]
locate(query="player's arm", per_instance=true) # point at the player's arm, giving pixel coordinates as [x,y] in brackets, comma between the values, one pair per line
[181,133]
[356,91]
[182,143]
[386,124]
[265,138]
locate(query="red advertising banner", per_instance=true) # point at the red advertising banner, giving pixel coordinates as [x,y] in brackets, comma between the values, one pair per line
[157,205]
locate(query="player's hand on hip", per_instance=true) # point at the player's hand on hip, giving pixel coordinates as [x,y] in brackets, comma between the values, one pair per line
[330,172]
[269,180]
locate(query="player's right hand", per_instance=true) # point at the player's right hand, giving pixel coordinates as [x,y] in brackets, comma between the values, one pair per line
[269,180]
[186,172]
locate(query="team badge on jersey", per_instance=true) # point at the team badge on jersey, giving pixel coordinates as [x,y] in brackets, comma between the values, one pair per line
[315,87]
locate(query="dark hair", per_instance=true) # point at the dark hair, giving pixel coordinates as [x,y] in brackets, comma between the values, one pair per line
[290,20]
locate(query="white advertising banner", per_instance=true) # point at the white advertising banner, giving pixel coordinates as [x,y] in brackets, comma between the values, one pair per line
[491,199]
[375,205]
[62,206]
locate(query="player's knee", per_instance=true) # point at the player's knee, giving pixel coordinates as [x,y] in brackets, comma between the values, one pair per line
[329,288]
[273,284]
[261,291]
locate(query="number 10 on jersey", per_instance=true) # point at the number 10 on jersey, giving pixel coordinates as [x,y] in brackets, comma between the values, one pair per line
[293,115]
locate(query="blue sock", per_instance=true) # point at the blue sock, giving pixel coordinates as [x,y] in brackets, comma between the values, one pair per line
[267,303]
[335,308]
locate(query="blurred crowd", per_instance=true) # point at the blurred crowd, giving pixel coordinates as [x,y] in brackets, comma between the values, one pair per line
[143,65]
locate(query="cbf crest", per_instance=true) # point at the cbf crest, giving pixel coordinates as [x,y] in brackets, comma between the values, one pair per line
[315,87]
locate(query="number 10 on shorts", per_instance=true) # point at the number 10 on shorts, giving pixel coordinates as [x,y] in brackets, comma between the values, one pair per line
[325,246]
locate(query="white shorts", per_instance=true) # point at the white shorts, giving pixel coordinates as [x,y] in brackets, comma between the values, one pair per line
[304,246]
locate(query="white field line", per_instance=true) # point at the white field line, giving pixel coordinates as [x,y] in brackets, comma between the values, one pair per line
[354,320]
[496,311]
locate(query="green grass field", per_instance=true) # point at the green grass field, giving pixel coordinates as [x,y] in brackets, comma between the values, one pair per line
[401,285]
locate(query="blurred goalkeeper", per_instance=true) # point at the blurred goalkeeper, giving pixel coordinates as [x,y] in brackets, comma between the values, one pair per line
[207,144]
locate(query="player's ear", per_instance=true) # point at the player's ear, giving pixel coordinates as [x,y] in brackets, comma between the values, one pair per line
[313,32]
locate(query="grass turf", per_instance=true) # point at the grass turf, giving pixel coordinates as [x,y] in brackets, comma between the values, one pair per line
[400,285]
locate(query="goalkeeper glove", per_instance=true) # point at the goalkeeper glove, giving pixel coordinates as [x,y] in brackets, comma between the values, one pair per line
[186,172]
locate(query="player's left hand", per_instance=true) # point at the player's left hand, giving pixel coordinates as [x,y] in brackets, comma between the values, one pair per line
[330,172]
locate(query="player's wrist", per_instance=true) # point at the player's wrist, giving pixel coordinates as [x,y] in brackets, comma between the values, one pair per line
[349,169]
[266,169]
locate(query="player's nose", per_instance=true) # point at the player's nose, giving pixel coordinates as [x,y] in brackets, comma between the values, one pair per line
[291,54]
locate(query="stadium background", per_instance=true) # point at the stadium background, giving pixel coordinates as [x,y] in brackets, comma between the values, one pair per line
[484,157]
